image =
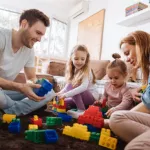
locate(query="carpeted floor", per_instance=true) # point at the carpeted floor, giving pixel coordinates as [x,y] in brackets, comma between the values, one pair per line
[10,141]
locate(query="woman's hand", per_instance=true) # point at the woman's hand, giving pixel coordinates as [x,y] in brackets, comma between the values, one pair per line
[136,95]
[27,89]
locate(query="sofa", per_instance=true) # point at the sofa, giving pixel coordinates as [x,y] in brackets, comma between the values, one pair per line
[56,71]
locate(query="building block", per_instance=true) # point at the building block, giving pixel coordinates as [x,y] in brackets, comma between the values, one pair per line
[64,117]
[41,136]
[51,136]
[32,127]
[108,142]
[7,118]
[59,105]
[52,121]
[91,128]
[77,131]
[95,137]
[14,126]
[106,132]
[46,86]
[92,116]
[36,120]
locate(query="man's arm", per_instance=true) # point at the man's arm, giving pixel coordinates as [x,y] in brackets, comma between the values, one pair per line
[30,74]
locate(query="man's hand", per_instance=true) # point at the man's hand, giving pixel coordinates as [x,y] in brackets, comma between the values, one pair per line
[136,95]
[27,89]
[97,103]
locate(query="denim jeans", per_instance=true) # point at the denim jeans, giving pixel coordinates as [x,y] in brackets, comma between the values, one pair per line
[13,102]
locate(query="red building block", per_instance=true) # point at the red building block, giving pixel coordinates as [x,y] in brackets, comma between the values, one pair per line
[37,121]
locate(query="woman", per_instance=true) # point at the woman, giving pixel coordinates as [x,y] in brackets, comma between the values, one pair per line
[134,126]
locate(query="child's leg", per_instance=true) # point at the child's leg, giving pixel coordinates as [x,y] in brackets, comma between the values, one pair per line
[83,100]
[70,103]
[141,108]
[129,124]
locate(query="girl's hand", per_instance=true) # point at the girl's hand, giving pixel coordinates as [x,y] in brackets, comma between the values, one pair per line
[97,103]
[136,95]
[110,111]
[61,96]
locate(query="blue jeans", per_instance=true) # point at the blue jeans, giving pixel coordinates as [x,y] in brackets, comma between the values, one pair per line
[13,102]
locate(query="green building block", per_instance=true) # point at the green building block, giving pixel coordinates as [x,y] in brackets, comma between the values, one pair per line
[15,120]
[52,121]
[95,137]
[36,136]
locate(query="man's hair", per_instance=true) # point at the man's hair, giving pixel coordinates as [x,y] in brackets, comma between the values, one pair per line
[34,15]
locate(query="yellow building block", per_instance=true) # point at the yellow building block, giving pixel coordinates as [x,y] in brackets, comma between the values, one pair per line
[32,127]
[7,118]
[36,117]
[61,110]
[106,131]
[78,131]
[61,102]
[108,142]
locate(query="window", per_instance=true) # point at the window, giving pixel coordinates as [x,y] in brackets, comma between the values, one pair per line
[9,19]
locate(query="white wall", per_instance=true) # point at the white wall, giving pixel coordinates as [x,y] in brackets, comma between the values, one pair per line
[115,11]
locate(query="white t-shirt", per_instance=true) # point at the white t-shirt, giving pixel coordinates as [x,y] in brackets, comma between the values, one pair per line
[12,63]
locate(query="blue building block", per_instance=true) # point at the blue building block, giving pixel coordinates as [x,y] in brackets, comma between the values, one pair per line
[14,127]
[91,128]
[46,86]
[65,117]
[51,136]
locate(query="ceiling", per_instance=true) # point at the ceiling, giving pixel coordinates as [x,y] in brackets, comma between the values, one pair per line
[57,8]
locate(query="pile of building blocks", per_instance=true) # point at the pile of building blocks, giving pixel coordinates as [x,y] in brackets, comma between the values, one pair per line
[41,136]
[36,120]
[103,138]
[92,116]
[59,105]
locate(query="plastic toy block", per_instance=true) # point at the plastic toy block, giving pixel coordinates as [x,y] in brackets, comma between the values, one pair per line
[35,117]
[32,127]
[52,121]
[14,127]
[51,136]
[46,86]
[65,117]
[15,120]
[95,137]
[41,136]
[78,131]
[106,132]
[61,110]
[7,118]
[36,120]
[92,116]
[91,128]
[36,136]
[108,142]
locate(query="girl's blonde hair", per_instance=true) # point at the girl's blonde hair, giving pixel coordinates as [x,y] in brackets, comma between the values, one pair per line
[141,40]
[117,63]
[75,78]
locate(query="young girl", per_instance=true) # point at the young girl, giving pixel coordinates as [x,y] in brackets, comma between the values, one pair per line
[116,92]
[80,87]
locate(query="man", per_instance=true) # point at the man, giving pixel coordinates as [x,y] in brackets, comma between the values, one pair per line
[16,53]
